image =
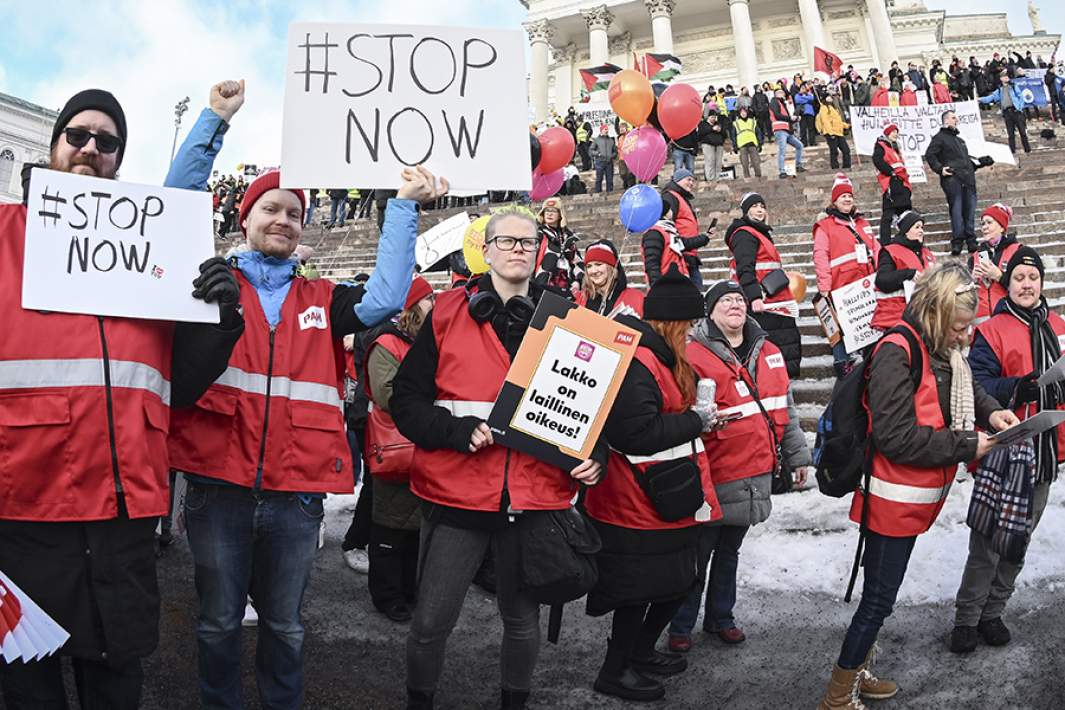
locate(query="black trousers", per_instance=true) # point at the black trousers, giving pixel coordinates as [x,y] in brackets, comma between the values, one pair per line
[393,566]
[1015,122]
[38,685]
[887,215]
[809,133]
[358,534]
[837,145]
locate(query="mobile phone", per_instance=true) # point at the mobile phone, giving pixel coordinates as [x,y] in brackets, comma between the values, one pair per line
[731,417]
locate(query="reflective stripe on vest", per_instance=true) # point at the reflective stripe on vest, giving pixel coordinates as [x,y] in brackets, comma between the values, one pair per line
[749,409]
[88,372]
[901,493]
[296,390]
[466,409]
[839,260]
[675,452]
[900,293]
[766,265]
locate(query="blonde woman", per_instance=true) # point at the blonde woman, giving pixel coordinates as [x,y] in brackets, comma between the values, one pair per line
[606,289]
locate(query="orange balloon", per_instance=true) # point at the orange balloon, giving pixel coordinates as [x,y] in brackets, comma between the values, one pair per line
[797,284]
[631,96]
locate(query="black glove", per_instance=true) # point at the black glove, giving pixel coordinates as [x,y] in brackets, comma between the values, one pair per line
[987,160]
[1027,390]
[217,284]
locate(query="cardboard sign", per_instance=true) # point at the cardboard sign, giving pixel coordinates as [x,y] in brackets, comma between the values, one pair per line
[854,306]
[827,317]
[436,244]
[110,248]
[562,383]
[362,102]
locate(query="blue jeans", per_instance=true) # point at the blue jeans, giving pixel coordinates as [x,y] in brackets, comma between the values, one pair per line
[884,562]
[310,214]
[604,169]
[262,544]
[683,159]
[961,201]
[785,138]
[722,543]
[336,216]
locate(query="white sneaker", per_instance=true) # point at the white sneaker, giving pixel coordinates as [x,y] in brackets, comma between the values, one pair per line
[358,560]
[251,617]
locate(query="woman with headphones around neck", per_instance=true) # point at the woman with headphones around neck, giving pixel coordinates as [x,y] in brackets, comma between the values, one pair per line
[473,490]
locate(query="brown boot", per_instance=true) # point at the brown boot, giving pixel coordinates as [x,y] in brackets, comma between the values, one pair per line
[872,687]
[842,693]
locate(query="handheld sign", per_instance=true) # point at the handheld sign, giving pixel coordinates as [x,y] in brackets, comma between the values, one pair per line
[827,317]
[362,102]
[110,248]
[1029,428]
[855,304]
[435,244]
[562,383]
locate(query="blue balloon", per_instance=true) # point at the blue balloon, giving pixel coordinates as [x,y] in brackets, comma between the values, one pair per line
[640,208]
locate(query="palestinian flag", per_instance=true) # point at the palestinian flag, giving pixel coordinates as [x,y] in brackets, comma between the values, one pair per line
[598,78]
[659,67]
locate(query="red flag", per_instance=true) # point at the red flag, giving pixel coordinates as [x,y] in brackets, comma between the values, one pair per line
[827,62]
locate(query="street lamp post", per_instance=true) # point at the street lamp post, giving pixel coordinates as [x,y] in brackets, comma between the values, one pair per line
[179,110]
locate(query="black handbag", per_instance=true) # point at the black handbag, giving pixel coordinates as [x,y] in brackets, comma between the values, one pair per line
[775,282]
[557,555]
[674,487]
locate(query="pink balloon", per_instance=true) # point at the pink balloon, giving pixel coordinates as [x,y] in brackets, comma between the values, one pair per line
[644,150]
[544,186]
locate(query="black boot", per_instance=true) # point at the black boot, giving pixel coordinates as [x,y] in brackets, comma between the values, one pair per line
[993,632]
[617,679]
[963,639]
[659,663]
[514,699]
[417,700]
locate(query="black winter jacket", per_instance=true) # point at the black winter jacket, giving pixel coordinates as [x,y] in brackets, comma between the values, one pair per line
[888,276]
[948,149]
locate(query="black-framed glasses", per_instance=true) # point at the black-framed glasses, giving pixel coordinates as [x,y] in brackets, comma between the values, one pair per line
[105,142]
[508,243]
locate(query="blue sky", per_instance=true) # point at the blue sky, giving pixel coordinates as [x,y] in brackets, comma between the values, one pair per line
[151,54]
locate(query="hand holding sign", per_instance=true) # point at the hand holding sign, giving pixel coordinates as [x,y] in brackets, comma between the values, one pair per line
[226,98]
[216,284]
[421,186]
[588,472]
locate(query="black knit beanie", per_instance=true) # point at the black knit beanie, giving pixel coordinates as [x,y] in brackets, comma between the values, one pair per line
[907,220]
[1025,256]
[93,99]
[749,200]
[673,297]
[720,289]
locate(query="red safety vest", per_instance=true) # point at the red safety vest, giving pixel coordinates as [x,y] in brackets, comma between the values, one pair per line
[628,299]
[745,447]
[780,122]
[1012,344]
[768,259]
[282,384]
[381,431]
[847,262]
[898,165]
[905,500]
[470,369]
[890,306]
[670,256]
[993,292]
[84,405]
[687,223]
[618,499]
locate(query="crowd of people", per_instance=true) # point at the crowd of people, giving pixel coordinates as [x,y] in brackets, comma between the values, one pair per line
[262,423]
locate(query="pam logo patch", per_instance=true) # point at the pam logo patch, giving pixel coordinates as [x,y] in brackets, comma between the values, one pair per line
[775,360]
[585,350]
[624,338]
[313,317]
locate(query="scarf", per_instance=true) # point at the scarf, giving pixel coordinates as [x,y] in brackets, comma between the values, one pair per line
[962,408]
[1045,352]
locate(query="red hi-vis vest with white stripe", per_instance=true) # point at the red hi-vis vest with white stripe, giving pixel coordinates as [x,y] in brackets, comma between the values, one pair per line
[745,447]
[847,262]
[768,259]
[63,379]
[993,292]
[905,500]
[1011,342]
[283,385]
[890,306]
[892,158]
[619,500]
[470,369]
[685,219]
[381,431]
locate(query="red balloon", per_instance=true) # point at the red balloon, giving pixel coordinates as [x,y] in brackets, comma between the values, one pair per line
[679,110]
[556,149]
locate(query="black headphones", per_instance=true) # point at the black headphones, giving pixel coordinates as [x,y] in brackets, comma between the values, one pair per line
[484,306]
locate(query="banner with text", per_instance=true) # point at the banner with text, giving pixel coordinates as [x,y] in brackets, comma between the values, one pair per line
[854,305]
[110,248]
[438,242]
[362,102]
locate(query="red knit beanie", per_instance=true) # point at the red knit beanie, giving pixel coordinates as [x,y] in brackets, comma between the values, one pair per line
[889,127]
[842,186]
[1000,213]
[419,289]
[267,181]
[602,253]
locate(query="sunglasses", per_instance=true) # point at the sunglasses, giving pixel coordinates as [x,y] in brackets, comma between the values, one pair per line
[105,143]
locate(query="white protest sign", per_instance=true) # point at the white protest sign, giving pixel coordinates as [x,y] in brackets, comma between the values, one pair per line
[855,304]
[362,102]
[113,248]
[566,390]
[596,114]
[436,243]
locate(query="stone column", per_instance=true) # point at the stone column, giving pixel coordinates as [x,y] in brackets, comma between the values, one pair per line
[743,34]
[885,40]
[812,29]
[598,20]
[874,54]
[540,34]
[661,12]
[564,57]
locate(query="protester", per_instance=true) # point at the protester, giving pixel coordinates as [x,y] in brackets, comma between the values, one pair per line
[920,433]
[584,145]
[647,564]
[894,180]
[557,261]
[471,488]
[677,195]
[313,200]
[1008,354]
[661,247]
[753,388]
[712,137]
[1010,99]
[338,199]
[604,152]
[87,400]
[988,263]
[902,260]
[782,124]
[755,260]
[627,178]
[844,252]
[805,102]
[831,124]
[748,143]
[254,503]
[605,289]
[397,516]
[949,157]
[684,152]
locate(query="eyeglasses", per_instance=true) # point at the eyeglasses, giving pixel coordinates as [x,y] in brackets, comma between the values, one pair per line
[105,142]
[508,243]
[732,300]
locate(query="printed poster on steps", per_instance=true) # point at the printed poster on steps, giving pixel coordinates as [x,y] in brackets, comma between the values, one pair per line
[363,102]
[854,305]
[110,248]
[562,383]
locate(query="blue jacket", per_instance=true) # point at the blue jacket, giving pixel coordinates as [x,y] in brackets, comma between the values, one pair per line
[995,97]
[386,291]
[806,101]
